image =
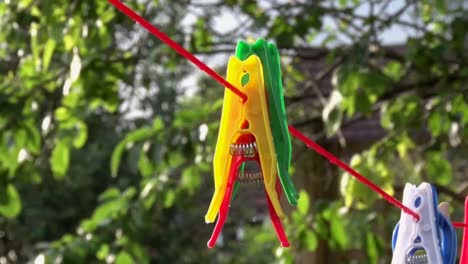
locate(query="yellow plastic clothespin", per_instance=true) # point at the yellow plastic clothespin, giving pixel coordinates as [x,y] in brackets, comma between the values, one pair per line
[240,119]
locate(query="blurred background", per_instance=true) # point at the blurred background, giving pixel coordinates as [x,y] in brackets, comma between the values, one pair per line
[107,135]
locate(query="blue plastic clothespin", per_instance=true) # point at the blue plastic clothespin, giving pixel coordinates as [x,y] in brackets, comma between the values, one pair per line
[430,240]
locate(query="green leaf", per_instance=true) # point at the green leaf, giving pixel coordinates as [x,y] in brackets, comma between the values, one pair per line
[355,192]
[176,159]
[9,159]
[346,79]
[343,3]
[47,55]
[129,193]
[371,248]
[139,134]
[361,102]
[441,6]
[71,100]
[201,38]
[311,240]
[134,136]
[24,3]
[139,253]
[144,165]
[438,123]
[338,231]
[104,214]
[124,258]
[81,134]
[404,144]
[303,203]
[108,210]
[110,193]
[393,70]
[33,143]
[373,84]
[103,252]
[460,109]
[62,114]
[438,168]
[169,198]
[60,159]
[401,113]
[20,137]
[191,179]
[117,157]
[157,124]
[10,202]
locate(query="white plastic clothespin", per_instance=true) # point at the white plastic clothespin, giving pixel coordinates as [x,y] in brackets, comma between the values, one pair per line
[432,239]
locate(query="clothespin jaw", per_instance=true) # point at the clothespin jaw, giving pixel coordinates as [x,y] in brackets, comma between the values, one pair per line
[269,56]
[430,240]
[464,251]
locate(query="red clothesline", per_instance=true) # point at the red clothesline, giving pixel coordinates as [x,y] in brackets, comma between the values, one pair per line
[309,142]
[460,224]
[320,150]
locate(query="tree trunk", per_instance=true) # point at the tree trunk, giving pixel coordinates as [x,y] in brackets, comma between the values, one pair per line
[320,179]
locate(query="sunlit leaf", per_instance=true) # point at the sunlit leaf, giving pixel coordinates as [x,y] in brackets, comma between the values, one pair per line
[157,124]
[394,70]
[117,157]
[134,136]
[191,179]
[81,134]
[144,165]
[303,203]
[69,42]
[372,250]
[10,202]
[169,198]
[103,252]
[124,258]
[60,159]
[62,114]
[109,194]
[33,143]
[438,168]
[404,144]
[47,55]
[338,231]
[311,240]
[438,123]
[176,159]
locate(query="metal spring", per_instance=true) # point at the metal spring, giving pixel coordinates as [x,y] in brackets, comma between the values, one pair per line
[244,149]
[250,176]
[417,259]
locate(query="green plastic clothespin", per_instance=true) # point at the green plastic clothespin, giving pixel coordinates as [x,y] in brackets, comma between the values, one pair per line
[269,56]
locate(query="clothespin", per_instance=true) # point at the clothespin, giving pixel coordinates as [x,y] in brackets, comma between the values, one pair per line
[430,240]
[464,251]
[244,135]
[269,56]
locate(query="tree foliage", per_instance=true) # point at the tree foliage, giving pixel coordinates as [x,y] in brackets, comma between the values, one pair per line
[107,135]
